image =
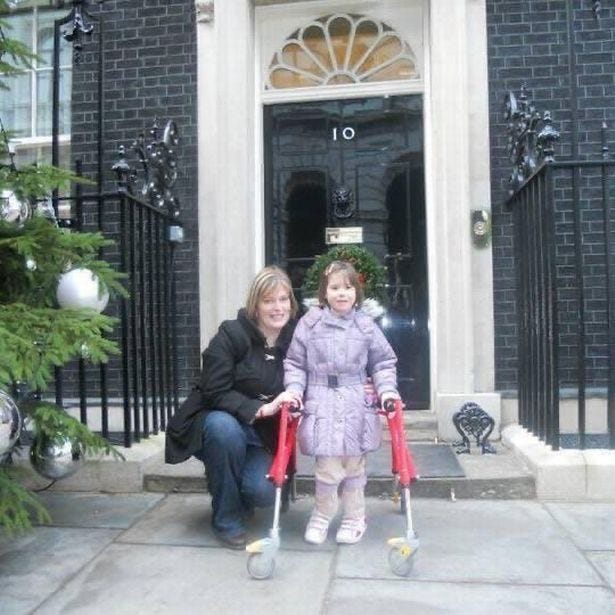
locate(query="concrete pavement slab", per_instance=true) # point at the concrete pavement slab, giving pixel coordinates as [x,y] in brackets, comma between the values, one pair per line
[347,597]
[292,526]
[35,565]
[590,525]
[129,579]
[184,519]
[515,557]
[507,542]
[605,563]
[96,509]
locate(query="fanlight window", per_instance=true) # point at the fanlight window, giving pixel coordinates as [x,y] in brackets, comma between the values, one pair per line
[341,49]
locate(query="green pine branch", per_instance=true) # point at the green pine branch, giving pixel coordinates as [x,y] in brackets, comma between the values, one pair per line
[18,506]
[52,251]
[35,336]
[58,425]
[33,180]
[14,55]
[35,340]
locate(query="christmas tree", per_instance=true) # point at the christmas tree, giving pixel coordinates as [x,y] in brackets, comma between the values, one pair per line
[36,335]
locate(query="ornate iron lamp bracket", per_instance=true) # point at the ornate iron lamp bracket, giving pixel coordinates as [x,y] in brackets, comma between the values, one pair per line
[79,28]
[158,162]
[472,421]
[531,136]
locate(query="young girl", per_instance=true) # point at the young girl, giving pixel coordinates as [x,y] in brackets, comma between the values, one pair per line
[335,348]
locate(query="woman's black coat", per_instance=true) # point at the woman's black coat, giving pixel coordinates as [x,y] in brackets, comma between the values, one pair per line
[240,373]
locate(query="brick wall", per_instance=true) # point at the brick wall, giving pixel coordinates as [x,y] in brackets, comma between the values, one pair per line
[150,56]
[150,66]
[528,43]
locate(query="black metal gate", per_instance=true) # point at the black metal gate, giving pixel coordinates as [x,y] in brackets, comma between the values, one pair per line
[134,394]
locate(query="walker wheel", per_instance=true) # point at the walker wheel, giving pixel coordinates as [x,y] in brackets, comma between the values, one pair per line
[401,560]
[260,566]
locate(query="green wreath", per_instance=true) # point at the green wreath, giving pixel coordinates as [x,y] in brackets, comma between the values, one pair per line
[371,272]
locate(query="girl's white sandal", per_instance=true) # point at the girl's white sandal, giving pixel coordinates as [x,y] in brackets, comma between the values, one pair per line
[317,528]
[351,531]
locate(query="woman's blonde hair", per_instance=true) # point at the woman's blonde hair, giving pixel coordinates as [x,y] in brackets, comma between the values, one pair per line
[340,267]
[264,283]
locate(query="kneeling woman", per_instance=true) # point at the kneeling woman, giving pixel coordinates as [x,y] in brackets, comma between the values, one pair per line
[228,420]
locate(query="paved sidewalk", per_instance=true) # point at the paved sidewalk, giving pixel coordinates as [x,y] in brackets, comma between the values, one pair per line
[154,553]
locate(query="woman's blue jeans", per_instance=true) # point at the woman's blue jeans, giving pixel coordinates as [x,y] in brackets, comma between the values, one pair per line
[236,464]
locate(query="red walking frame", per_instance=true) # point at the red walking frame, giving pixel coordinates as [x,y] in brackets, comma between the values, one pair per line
[403,548]
[261,561]
[262,553]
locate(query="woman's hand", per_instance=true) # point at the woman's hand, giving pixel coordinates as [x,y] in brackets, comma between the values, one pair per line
[273,407]
[369,391]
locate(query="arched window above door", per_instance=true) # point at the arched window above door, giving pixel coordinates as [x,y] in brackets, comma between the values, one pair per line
[341,49]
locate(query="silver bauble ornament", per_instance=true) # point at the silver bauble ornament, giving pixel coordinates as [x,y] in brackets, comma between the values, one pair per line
[10,424]
[55,458]
[79,289]
[44,209]
[12,209]
[31,264]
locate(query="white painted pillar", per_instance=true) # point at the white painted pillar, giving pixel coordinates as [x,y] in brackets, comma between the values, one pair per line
[461,283]
[480,194]
[451,196]
[226,100]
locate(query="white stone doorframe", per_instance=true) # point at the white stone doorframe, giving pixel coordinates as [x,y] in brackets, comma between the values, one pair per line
[457,170]
[231,226]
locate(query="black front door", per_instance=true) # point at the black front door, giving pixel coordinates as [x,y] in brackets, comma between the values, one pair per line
[356,163]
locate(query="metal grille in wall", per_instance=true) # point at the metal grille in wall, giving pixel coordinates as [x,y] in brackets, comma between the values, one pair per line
[134,394]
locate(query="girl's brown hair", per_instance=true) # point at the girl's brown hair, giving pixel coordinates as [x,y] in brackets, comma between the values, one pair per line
[339,267]
[264,283]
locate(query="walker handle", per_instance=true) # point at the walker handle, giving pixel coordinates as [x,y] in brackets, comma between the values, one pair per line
[286,443]
[401,460]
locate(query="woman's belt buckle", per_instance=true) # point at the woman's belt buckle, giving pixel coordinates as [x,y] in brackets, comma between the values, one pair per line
[332,382]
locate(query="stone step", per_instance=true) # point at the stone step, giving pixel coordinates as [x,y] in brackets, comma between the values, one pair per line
[420,419]
[500,476]
[419,426]
[502,488]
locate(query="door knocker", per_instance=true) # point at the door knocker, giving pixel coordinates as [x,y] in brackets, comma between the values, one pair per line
[343,203]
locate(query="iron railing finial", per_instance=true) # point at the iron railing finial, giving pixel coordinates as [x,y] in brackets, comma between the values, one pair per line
[531,136]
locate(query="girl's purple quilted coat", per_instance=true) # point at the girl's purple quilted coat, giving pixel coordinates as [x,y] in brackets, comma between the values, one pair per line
[327,363]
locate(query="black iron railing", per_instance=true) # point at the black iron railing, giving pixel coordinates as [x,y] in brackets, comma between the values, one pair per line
[564,246]
[134,394]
